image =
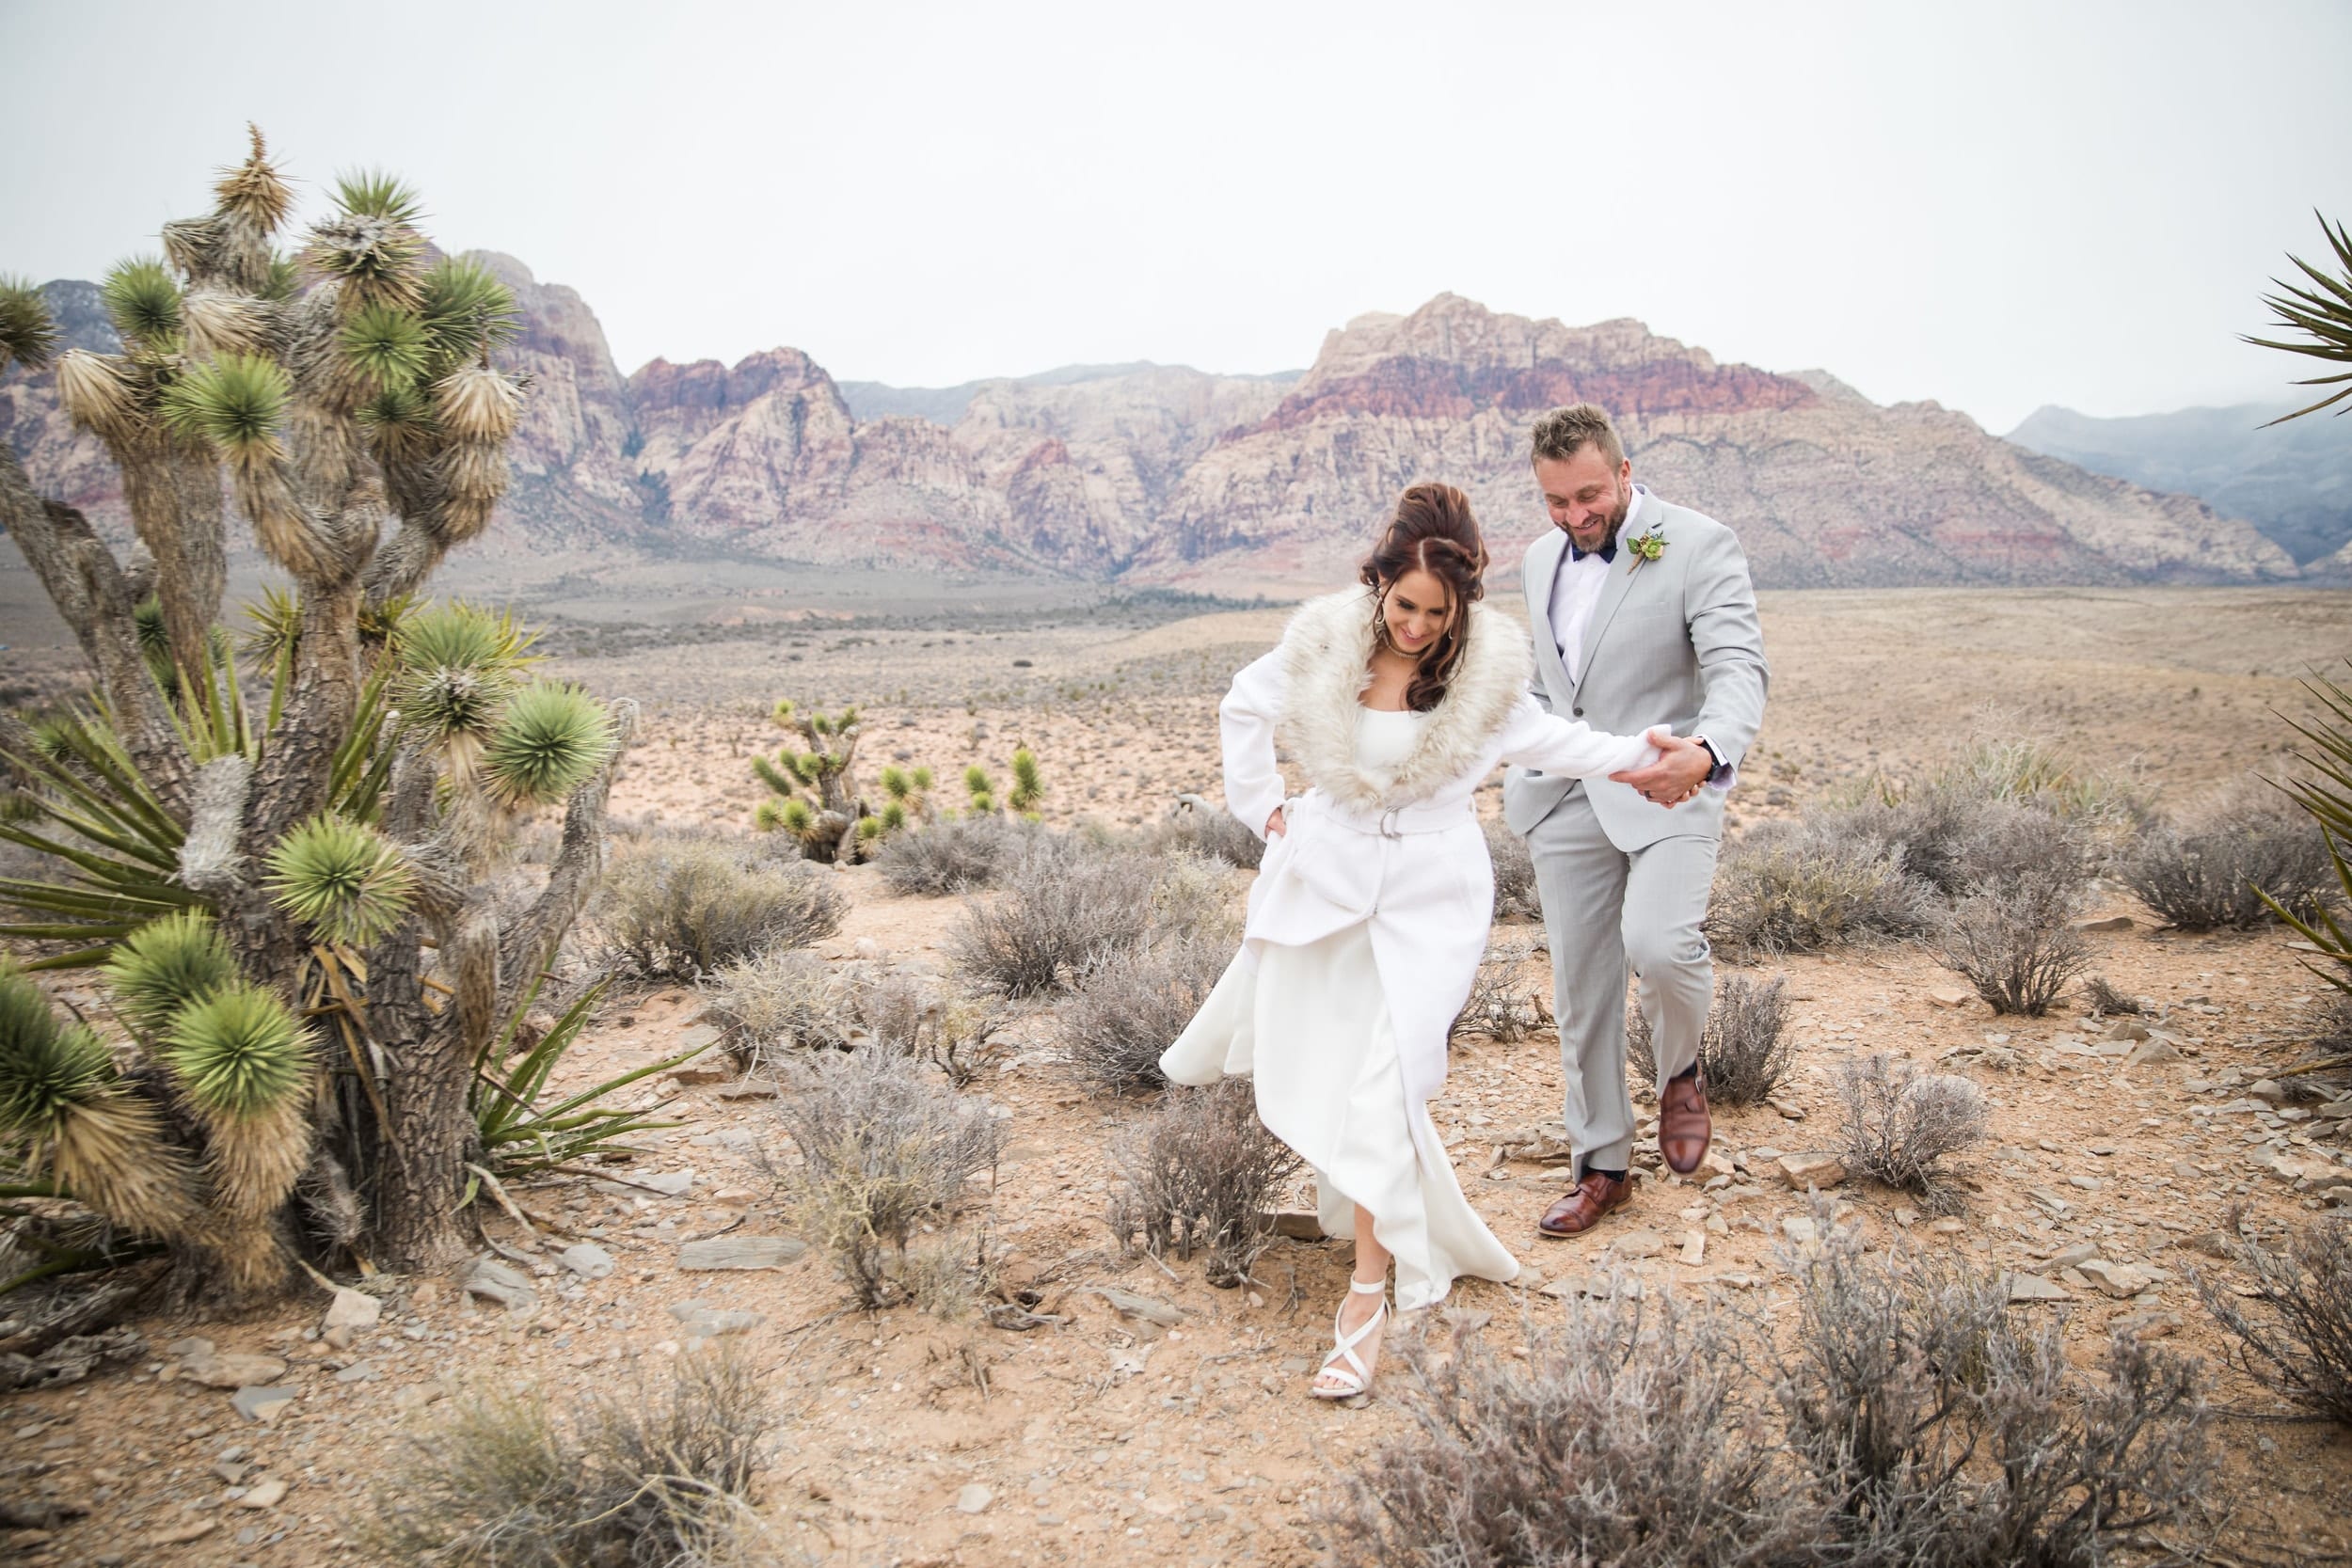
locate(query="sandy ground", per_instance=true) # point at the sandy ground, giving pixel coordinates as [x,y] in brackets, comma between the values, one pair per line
[1105,1437]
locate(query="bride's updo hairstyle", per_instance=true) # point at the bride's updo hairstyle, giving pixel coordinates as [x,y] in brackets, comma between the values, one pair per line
[1434,531]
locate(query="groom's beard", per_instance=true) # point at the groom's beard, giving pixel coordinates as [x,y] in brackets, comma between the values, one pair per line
[1616,522]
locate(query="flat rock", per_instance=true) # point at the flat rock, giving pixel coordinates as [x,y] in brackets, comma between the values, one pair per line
[231,1368]
[749,1088]
[262,1404]
[352,1310]
[1804,1171]
[1302,1225]
[1166,1314]
[495,1281]
[1788,1110]
[701,1070]
[974,1499]
[266,1493]
[1693,1247]
[740,1252]
[2151,1051]
[2268,1090]
[1951,996]
[2122,1281]
[2127,1029]
[418,1395]
[1637,1243]
[358,1371]
[587,1260]
[179,1535]
[2073,1257]
[2032,1287]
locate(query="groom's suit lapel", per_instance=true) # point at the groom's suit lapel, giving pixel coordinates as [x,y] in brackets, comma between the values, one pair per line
[1613,593]
[1544,571]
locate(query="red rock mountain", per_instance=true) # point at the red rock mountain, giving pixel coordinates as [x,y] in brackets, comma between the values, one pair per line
[1164,475]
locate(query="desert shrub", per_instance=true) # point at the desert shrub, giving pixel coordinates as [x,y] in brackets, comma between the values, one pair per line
[1119,1018]
[1514,872]
[1628,1435]
[1200,1172]
[1937,819]
[2001,846]
[1069,907]
[954,856]
[1937,1428]
[2296,1333]
[631,1479]
[1504,1004]
[1744,1051]
[684,907]
[2210,865]
[1803,887]
[882,1152]
[779,1001]
[1900,1124]
[1195,827]
[2017,945]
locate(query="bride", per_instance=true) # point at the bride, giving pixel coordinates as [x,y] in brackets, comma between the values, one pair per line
[1370,915]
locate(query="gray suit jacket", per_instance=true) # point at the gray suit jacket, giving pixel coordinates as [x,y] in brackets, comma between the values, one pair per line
[1676,642]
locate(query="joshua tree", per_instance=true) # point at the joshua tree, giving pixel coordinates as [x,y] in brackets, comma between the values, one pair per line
[1029,786]
[292,901]
[2323,317]
[830,820]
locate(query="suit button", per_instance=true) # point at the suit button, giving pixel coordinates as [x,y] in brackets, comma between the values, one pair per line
[1579,713]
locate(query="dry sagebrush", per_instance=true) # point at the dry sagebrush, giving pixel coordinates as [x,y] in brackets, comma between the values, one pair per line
[641,1478]
[1745,1052]
[955,856]
[1200,1172]
[2017,945]
[1938,1428]
[1901,1124]
[1503,1004]
[1628,1435]
[1069,907]
[685,907]
[884,1153]
[1804,887]
[2295,1334]
[2210,866]
[1129,1009]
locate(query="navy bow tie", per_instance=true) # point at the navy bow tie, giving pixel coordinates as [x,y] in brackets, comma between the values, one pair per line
[1607,552]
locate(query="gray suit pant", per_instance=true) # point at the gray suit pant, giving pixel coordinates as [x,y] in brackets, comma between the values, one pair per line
[1606,910]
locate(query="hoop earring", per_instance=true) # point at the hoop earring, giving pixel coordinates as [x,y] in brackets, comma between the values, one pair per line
[1380,624]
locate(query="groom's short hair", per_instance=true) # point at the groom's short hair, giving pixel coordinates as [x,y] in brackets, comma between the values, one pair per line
[1562,433]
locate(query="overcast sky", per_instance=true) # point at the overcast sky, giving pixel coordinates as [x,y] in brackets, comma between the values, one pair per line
[1995,206]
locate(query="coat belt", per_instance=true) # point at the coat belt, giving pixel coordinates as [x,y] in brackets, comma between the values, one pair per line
[1396,821]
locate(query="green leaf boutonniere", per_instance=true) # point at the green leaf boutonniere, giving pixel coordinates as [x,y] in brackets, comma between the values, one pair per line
[1645,546]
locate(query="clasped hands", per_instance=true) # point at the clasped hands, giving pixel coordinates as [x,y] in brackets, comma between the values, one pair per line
[1678,774]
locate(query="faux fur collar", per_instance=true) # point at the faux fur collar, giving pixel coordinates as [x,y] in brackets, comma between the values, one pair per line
[1326,654]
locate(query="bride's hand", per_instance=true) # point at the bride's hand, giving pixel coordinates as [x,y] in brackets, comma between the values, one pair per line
[1274,826]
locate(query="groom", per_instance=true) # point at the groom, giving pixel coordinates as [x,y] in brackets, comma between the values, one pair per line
[1642,615]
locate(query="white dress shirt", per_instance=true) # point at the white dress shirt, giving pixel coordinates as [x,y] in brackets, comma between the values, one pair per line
[1575,589]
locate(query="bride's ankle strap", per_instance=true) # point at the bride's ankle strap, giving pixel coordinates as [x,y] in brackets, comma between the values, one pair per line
[1377,1288]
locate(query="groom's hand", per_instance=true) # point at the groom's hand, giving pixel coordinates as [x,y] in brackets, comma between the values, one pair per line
[1676,776]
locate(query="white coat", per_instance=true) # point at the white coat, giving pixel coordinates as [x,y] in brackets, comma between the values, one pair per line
[1403,851]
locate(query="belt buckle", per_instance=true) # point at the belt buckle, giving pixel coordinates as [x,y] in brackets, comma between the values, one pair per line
[1388,823]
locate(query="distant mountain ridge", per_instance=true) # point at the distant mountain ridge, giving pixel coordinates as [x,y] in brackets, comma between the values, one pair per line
[2293,482]
[1152,474]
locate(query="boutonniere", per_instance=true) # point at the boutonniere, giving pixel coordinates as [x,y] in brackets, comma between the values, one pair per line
[1645,546]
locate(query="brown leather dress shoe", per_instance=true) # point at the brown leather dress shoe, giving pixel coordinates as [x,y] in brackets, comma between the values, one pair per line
[1683,1128]
[1585,1203]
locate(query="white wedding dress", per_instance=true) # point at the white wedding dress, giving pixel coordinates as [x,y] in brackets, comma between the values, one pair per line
[1310,1023]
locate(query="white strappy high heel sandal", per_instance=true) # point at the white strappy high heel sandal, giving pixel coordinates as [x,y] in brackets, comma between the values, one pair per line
[1354,1378]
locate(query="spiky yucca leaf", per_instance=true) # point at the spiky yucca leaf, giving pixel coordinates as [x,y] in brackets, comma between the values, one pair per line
[467,309]
[895,784]
[893,816]
[284,280]
[374,258]
[272,628]
[798,819]
[782,713]
[2322,316]
[975,779]
[478,403]
[370,193]
[767,816]
[253,190]
[142,299]
[164,966]
[983,803]
[220,322]
[28,336]
[1029,786]
[238,1053]
[551,739]
[59,1090]
[782,782]
[463,636]
[386,345]
[923,780]
[147,625]
[869,829]
[234,404]
[399,422]
[343,881]
[102,392]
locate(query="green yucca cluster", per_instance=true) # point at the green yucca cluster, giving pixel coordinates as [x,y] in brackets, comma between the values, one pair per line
[1029,786]
[813,790]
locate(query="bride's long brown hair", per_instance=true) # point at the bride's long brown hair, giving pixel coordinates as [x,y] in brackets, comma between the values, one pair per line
[1435,531]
